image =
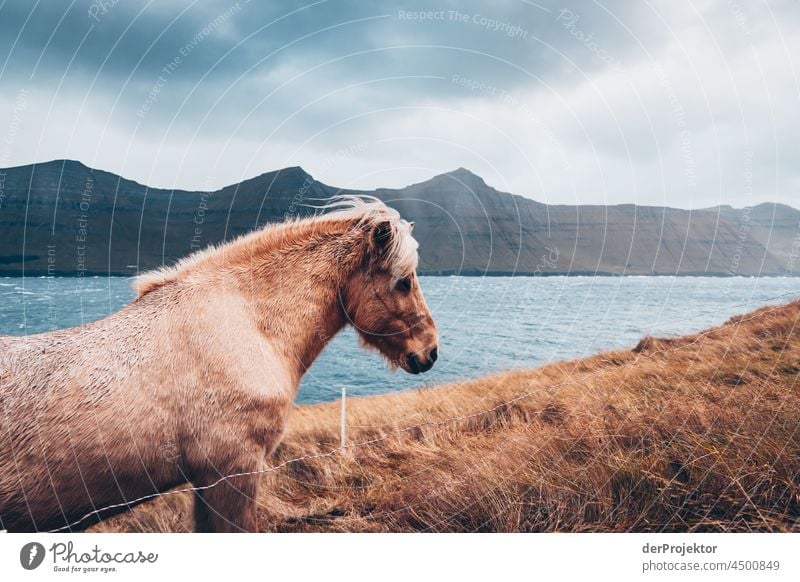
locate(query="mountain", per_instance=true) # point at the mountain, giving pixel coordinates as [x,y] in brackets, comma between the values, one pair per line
[64,218]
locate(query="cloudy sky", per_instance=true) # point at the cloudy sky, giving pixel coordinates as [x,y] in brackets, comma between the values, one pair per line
[688,104]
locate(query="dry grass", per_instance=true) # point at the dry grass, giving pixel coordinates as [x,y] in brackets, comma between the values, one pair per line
[700,433]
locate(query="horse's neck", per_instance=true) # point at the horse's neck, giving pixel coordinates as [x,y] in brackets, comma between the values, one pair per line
[299,303]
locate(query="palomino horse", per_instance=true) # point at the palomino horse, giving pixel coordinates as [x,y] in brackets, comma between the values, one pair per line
[194,380]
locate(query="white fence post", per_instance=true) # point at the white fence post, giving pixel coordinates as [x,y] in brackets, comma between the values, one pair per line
[344,415]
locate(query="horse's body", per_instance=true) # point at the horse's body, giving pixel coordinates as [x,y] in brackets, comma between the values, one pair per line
[194,380]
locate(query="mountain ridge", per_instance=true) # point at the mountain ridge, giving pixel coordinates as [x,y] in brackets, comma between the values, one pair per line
[77,220]
[449,174]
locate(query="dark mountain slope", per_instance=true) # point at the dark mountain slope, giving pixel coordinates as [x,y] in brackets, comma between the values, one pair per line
[62,217]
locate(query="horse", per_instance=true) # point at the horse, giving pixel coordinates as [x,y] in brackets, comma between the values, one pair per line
[193,381]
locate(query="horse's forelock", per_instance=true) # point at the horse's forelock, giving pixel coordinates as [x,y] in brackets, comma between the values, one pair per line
[401,256]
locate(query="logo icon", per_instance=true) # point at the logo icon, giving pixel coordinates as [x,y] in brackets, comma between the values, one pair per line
[31,555]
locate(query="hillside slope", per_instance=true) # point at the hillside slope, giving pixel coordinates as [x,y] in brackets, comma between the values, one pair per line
[700,433]
[466,226]
[63,218]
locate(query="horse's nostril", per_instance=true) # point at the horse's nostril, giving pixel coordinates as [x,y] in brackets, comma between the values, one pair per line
[434,355]
[413,363]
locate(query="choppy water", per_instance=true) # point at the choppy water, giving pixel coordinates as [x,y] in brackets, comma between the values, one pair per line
[486,324]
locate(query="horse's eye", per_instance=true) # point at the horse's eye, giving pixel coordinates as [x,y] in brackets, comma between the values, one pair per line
[404,285]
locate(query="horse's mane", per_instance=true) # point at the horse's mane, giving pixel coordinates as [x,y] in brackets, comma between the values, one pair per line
[401,254]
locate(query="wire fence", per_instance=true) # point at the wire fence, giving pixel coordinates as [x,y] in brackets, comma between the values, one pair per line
[427,424]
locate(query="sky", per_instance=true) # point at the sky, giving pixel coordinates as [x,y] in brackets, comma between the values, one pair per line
[685,104]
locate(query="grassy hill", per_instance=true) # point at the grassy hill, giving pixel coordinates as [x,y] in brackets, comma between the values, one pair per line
[700,433]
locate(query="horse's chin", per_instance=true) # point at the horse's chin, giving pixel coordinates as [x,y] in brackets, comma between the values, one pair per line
[394,362]
[406,369]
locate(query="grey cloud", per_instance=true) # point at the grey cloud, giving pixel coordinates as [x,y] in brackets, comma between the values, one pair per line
[134,39]
[336,73]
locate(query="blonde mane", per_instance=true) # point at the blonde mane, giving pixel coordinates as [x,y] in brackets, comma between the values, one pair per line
[401,254]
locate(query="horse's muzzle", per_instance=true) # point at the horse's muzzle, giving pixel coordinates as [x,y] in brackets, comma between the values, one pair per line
[417,366]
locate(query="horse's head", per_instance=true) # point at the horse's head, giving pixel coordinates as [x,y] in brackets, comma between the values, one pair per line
[383,299]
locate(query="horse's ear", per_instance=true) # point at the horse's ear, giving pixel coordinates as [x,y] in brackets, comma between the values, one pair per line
[380,237]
